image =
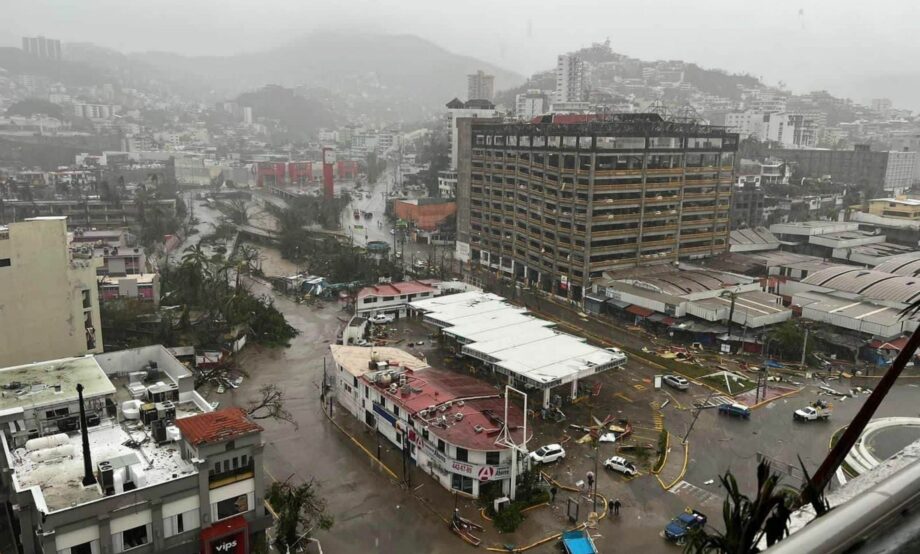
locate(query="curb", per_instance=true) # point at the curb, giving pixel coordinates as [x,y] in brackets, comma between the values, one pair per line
[667,448]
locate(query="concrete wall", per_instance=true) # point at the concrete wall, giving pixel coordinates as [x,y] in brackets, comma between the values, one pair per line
[41,295]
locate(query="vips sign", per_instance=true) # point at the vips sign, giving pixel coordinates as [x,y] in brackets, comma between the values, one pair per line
[230,544]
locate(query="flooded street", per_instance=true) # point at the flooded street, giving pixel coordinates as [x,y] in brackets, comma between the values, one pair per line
[372,514]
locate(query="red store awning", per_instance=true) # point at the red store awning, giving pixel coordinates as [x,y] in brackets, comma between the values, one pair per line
[639,310]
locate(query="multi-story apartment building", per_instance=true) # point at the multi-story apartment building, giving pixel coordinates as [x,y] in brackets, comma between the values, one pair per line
[458,110]
[100,214]
[480,86]
[118,453]
[41,47]
[570,79]
[559,204]
[49,303]
[530,104]
[888,171]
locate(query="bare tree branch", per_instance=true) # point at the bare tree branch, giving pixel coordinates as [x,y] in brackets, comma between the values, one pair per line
[270,406]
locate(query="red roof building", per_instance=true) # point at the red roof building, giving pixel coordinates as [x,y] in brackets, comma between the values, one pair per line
[220,426]
[393,297]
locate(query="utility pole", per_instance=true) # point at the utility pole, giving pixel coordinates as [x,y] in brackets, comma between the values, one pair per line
[695,416]
[805,346]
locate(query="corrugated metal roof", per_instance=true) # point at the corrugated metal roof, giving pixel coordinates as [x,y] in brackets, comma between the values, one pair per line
[905,264]
[219,426]
[871,283]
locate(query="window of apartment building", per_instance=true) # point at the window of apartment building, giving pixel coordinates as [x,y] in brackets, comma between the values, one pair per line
[620,143]
[84,548]
[570,142]
[539,142]
[511,140]
[370,299]
[134,537]
[87,298]
[395,410]
[525,142]
[480,140]
[664,142]
[388,298]
[704,142]
[441,447]
[463,455]
[461,483]
[180,523]
[492,458]
[232,506]
[5,262]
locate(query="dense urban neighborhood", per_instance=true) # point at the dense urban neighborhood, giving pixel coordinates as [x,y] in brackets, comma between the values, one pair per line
[619,305]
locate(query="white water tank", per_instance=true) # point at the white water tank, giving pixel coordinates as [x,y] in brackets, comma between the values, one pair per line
[49,441]
[172,433]
[48,454]
[131,409]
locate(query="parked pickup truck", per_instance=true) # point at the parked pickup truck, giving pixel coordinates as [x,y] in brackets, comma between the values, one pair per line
[818,410]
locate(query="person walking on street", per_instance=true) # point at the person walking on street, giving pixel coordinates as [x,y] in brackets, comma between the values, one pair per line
[616,507]
[552,494]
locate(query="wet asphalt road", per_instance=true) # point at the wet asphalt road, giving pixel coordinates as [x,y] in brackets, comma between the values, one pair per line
[371,514]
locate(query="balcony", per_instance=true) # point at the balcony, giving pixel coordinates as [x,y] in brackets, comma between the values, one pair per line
[609,249]
[697,236]
[216,480]
[615,232]
[614,187]
[619,218]
[697,249]
[691,209]
[643,244]
[617,172]
[700,195]
[667,171]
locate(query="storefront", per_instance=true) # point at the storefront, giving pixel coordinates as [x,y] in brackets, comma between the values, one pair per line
[230,536]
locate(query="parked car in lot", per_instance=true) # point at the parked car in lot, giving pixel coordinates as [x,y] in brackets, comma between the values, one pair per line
[681,526]
[622,465]
[676,381]
[381,319]
[548,454]
[736,410]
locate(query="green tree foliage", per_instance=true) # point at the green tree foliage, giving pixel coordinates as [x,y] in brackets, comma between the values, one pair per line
[301,511]
[744,518]
[436,153]
[301,116]
[510,518]
[212,287]
[787,340]
[35,106]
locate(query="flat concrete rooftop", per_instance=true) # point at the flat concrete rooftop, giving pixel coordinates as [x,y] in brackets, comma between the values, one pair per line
[51,382]
[60,480]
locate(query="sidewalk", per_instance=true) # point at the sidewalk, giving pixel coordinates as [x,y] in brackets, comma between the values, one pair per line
[540,524]
[675,465]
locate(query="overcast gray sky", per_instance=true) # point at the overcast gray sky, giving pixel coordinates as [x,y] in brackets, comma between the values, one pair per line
[806,43]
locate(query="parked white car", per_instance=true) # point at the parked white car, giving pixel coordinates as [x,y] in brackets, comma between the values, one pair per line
[676,381]
[621,464]
[381,319]
[548,454]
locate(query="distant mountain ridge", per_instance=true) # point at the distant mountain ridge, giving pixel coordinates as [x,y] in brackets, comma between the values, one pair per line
[409,75]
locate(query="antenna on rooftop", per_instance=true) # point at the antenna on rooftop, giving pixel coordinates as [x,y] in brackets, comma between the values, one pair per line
[88,477]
